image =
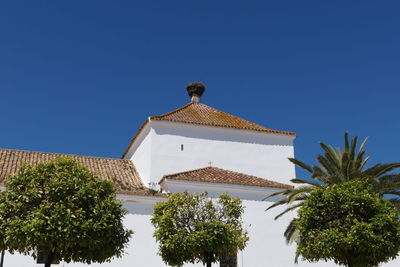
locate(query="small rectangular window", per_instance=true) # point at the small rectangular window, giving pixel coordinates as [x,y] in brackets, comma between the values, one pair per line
[181,147]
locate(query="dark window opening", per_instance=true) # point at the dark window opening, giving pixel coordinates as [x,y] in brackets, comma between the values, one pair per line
[182,147]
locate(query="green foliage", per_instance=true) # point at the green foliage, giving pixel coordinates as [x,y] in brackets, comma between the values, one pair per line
[349,224]
[193,228]
[61,208]
[339,166]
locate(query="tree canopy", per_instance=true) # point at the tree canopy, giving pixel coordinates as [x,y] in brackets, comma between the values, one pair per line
[63,210]
[349,224]
[193,228]
[337,166]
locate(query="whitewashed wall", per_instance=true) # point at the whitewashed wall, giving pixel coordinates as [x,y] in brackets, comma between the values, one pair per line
[139,153]
[266,246]
[250,152]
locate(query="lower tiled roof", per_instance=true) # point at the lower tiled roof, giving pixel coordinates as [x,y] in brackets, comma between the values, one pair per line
[120,171]
[221,176]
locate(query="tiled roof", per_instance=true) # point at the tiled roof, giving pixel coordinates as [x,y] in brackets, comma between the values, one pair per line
[120,171]
[200,114]
[221,176]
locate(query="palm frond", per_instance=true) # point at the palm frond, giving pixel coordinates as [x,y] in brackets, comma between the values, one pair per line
[352,151]
[380,168]
[293,207]
[363,144]
[298,197]
[390,182]
[291,232]
[358,160]
[395,202]
[279,193]
[363,163]
[297,192]
[320,174]
[280,202]
[304,181]
[391,178]
[346,141]
[328,165]
[331,155]
[301,164]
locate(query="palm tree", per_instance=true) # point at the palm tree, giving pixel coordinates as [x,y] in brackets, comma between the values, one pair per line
[336,166]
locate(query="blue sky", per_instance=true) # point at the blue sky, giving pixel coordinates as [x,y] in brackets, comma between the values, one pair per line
[80,77]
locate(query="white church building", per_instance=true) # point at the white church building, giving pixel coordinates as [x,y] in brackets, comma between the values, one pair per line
[195,148]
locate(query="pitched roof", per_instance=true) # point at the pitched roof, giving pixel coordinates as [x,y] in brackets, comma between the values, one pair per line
[221,176]
[120,171]
[200,114]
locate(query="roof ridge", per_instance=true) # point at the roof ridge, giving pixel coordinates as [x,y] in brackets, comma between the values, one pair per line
[228,174]
[249,175]
[174,111]
[252,125]
[55,153]
[189,171]
[237,117]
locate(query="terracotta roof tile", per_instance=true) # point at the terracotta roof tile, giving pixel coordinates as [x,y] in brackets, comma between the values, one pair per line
[221,176]
[200,114]
[120,171]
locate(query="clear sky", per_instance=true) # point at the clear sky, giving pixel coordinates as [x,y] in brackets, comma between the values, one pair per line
[80,77]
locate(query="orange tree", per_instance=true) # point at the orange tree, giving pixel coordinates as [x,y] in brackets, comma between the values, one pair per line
[193,228]
[350,224]
[61,209]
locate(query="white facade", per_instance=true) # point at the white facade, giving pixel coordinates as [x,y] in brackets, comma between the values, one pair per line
[166,147]
[266,246]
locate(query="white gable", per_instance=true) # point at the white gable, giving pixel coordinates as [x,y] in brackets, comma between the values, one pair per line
[165,147]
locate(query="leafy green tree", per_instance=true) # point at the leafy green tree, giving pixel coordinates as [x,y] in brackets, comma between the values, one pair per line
[193,228]
[350,224]
[335,167]
[61,209]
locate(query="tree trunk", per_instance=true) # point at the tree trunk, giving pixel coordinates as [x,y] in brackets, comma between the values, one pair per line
[209,264]
[49,259]
[350,262]
[2,258]
[228,260]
